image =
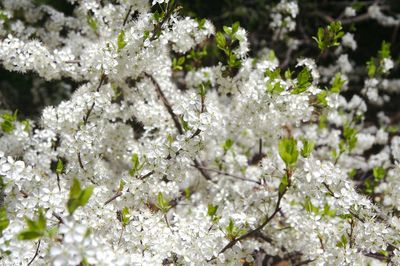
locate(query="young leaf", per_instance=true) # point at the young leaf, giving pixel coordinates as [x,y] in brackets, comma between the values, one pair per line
[121,40]
[303,81]
[59,167]
[307,149]
[227,145]
[4,221]
[288,151]
[221,41]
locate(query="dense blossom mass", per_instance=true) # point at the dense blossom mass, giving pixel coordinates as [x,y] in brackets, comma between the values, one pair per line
[159,158]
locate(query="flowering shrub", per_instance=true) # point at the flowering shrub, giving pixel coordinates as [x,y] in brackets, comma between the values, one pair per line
[161,157]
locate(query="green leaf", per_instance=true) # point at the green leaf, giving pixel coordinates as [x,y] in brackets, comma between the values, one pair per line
[337,84]
[303,81]
[342,242]
[379,173]
[227,145]
[77,196]
[4,221]
[227,30]
[29,235]
[92,23]
[221,41]
[125,216]
[75,189]
[41,223]
[85,196]
[59,167]
[350,136]
[288,151]
[35,229]
[384,52]
[121,185]
[121,40]
[371,67]
[321,98]
[72,205]
[162,203]
[235,27]
[284,184]
[307,149]
[135,164]
[7,125]
[212,210]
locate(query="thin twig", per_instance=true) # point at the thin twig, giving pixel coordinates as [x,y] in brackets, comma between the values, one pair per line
[166,103]
[201,169]
[228,174]
[127,16]
[58,217]
[116,195]
[80,161]
[36,253]
[58,181]
[146,175]
[258,228]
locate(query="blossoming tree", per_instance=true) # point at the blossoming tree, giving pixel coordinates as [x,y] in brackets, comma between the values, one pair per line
[159,157]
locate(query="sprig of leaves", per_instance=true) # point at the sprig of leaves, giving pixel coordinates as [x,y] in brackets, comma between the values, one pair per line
[78,197]
[329,36]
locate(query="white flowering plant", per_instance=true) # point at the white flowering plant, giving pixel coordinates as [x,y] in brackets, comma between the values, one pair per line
[179,146]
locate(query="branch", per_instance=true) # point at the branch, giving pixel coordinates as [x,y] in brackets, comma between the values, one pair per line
[166,103]
[116,195]
[228,174]
[127,15]
[36,253]
[258,228]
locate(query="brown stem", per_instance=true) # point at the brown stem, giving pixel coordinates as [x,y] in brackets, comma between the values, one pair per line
[36,253]
[80,161]
[116,195]
[166,103]
[228,174]
[127,16]
[258,228]
[58,217]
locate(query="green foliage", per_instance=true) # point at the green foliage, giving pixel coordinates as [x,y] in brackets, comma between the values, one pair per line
[201,23]
[78,197]
[226,45]
[337,84]
[321,98]
[307,149]
[378,173]
[162,204]
[178,64]
[375,65]
[7,125]
[288,151]
[125,218]
[350,137]
[384,52]
[121,43]
[227,145]
[284,184]
[4,221]
[232,231]
[92,23]
[342,243]
[212,212]
[329,36]
[303,81]
[36,229]
[184,123]
[59,167]
[136,166]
